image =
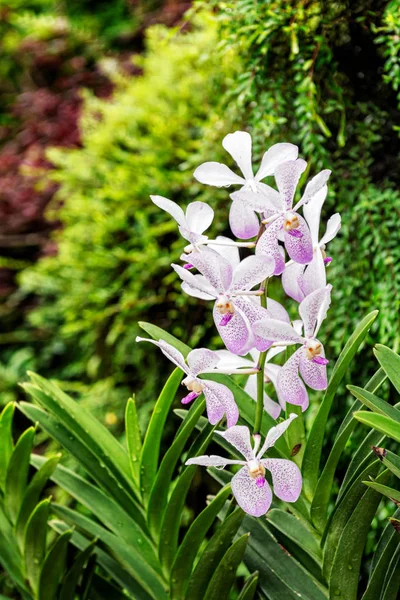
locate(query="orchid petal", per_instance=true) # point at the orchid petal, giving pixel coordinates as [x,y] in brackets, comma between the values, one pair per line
[229,252]
[286,478]
[314,186]
[220,402]
[191,236]
[252,499]
[274,156]
[196,282]
[315,274]
[199,216]
[291,281]
[268,245]
[251,271]
[196,293]
[313,374]
[264,200]
[275,433]
[300,249]
[277,331]
[287,176]
[271,407]
[171,208]
[312,213]
[202,360]
[276,311]
[227,360]
[235,333]
[212,461]
[238,145]
[254,312]
[243,221]
[313,310]
[215,173]
[169,351]
[332,228]
[214,267]
[274,351]
[239,438]
[290,387]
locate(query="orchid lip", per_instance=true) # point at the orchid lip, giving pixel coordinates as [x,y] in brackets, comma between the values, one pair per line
[320,360]
[225,319]
[190,397]
[188,266]
[295,233]
[260,482]
[327,260]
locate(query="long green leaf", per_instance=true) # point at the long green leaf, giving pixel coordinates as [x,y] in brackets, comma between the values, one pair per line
[225,574]
[152,440]
[249,589]
[385,490]
[53,568]
[133,438]
[32,496]
[381,423]
[10,557]
[376,580]
[6,440]
[346,564]
[159,493]
[35,543]
[105,509]
[389,459]
[390,362]
[17,473]
[312,453]
[126,555]
[213,553]
[159,334]
[192,541]
[375,403]
[70,581]
[392,580]
[101,589]
[323,491]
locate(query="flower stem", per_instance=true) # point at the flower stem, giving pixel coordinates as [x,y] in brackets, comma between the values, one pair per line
[260,374]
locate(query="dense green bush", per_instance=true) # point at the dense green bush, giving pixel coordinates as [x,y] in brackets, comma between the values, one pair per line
[103,278]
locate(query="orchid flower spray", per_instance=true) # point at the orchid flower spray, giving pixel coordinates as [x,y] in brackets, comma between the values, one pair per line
[243,221]
[249,485]
[219,399]
[309,359]
[300,280]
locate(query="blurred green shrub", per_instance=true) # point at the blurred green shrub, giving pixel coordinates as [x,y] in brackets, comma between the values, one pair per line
[115,247]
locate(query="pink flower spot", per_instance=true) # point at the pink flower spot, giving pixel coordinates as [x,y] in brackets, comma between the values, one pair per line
[260,482]
[190,397]
[327,260]
[225,319]
[320,360]
[295,233]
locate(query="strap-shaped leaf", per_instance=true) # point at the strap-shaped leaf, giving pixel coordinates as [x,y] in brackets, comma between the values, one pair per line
[111,566]
[159,493]
[296,434]
[294,530]
[6,440]
[53,568]
[71,579]
[385,425]
[385,555]
[344,576]
[101,589]
[10,558]
[35,543]
[191,543]
[32,496]
[312,453]
[133,439]
[89,461]
[389,459]
[105,509]
[375,403]
[280,575]
[213,553]
[387,491]
[323,491]
[390,362]
[126,555]
[384,538]
[87,578]
[341,515]
[152,440]
[159,334]
[392,579]
[225,574]
[17,473]
[249,589]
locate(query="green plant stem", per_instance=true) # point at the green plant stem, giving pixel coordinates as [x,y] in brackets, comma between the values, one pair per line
[260,374]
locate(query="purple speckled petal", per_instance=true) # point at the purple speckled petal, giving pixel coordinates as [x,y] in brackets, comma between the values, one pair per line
[215,173]
[286,478]
[268,245]
[264,200]
[243,221]
[214,267]
[235,333]
[290,387]
[300,249]
[169,351]
[313,374]
[197,283]
[287,176]
[274,156]
[202,360]
[275,433]
[238,144]
[313,310]
[314,276]
[212,461]
[251,271]
[252,499]
[277,331]
[239,438]
[276,311]
[199,216]
[254,312]
[220,402]
[292,278]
